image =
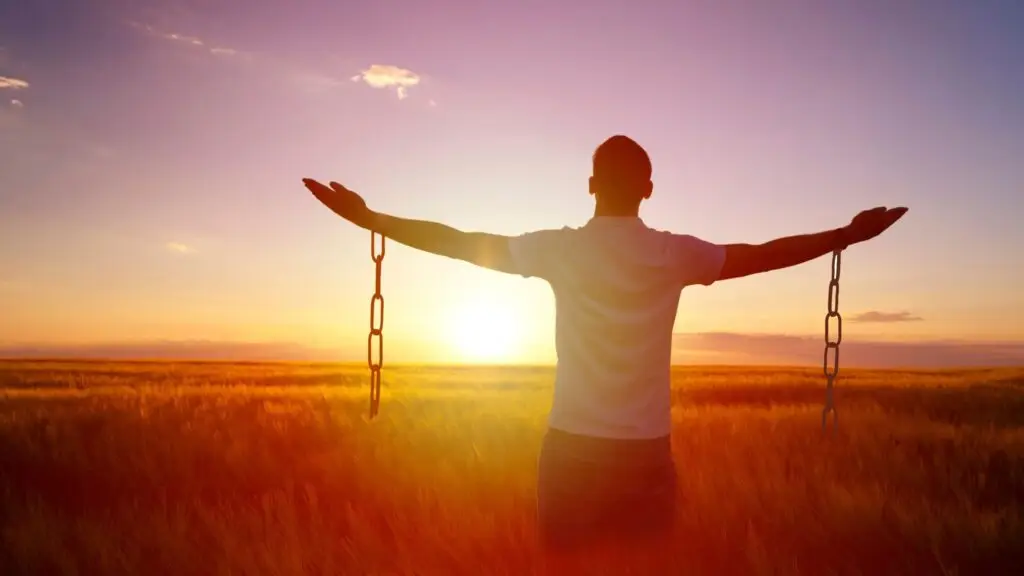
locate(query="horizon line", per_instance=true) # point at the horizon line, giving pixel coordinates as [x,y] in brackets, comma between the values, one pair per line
[481,366]
[291,343]
[688,349]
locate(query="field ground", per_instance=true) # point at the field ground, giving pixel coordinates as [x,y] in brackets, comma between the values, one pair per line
[204,468]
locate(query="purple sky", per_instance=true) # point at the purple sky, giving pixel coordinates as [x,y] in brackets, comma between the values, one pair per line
[151,156]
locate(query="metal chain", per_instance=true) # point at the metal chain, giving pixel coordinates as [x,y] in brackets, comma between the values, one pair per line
[833,312]
[376,327]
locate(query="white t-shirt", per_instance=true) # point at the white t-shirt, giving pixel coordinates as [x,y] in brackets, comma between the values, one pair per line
[617,285]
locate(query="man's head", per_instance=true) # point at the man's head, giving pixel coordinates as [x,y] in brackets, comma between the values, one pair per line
[621,176]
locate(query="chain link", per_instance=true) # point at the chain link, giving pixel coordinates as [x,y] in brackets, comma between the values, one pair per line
[376,327]
[833,312]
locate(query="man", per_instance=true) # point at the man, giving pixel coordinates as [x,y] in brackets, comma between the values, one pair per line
[606,465]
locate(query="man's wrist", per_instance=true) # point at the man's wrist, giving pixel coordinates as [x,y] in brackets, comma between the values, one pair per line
[840,239]
[370,221]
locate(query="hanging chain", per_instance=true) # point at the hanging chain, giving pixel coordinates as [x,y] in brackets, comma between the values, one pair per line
[833,312]
[376,327]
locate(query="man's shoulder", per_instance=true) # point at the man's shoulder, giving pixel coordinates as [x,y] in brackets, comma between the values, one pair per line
[537,253]
[683,239]
[544,236]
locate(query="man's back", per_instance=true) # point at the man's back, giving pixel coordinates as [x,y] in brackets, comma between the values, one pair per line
[606,464]
[617,285]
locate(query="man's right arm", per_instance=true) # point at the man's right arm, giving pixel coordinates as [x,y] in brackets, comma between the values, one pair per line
[748,259]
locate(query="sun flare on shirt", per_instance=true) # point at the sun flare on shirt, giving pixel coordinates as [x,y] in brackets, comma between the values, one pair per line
[484,331]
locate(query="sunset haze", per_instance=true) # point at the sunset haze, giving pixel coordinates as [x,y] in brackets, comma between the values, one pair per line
[151,157]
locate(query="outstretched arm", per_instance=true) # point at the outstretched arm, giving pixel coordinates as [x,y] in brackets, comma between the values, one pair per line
[747,259]
[487,250]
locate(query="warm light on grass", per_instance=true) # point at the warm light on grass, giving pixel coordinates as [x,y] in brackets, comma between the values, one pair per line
[207,468]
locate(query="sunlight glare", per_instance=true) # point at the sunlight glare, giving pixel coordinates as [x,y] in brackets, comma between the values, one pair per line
[485,331]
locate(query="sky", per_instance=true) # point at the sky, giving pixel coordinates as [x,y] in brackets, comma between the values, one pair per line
[151,157]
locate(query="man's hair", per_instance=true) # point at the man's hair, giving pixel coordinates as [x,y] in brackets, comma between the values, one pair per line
[620,162]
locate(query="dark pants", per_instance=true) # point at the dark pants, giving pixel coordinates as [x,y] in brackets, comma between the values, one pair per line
[591,490]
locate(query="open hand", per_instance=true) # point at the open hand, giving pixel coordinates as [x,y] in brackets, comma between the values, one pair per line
[871,223]
[341,201]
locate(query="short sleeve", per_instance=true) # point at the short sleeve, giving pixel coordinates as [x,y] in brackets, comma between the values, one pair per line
[697,261]
[536,254]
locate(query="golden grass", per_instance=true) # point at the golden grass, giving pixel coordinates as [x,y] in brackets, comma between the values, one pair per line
[206,468]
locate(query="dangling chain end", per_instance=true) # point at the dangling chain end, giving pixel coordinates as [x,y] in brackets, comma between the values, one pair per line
[833,312]
[376,326]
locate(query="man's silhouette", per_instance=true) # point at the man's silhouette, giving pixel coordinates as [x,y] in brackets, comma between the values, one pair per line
[606,464]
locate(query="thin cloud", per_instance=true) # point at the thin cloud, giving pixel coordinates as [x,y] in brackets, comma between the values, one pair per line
[315,83]
[179,248]
[384,76]
[185,39]
[379,76]
[35,141]
[885,317]
[12,83]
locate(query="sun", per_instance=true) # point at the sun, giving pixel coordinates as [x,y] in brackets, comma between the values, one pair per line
[483,331]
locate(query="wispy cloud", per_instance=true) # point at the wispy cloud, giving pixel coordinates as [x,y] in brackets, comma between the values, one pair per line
[379,76]
[314,82]
[194,41]
[179,248]
[32,141]
[306,81]
[186,39]
[885,317]
[9,83]
[385,76]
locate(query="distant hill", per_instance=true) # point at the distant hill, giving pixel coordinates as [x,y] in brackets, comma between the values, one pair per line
[173,350]
[761,349]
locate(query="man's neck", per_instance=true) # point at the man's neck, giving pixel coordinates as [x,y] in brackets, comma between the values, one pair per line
[616,212]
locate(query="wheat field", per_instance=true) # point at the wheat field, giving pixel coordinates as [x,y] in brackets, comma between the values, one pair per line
[255,468]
